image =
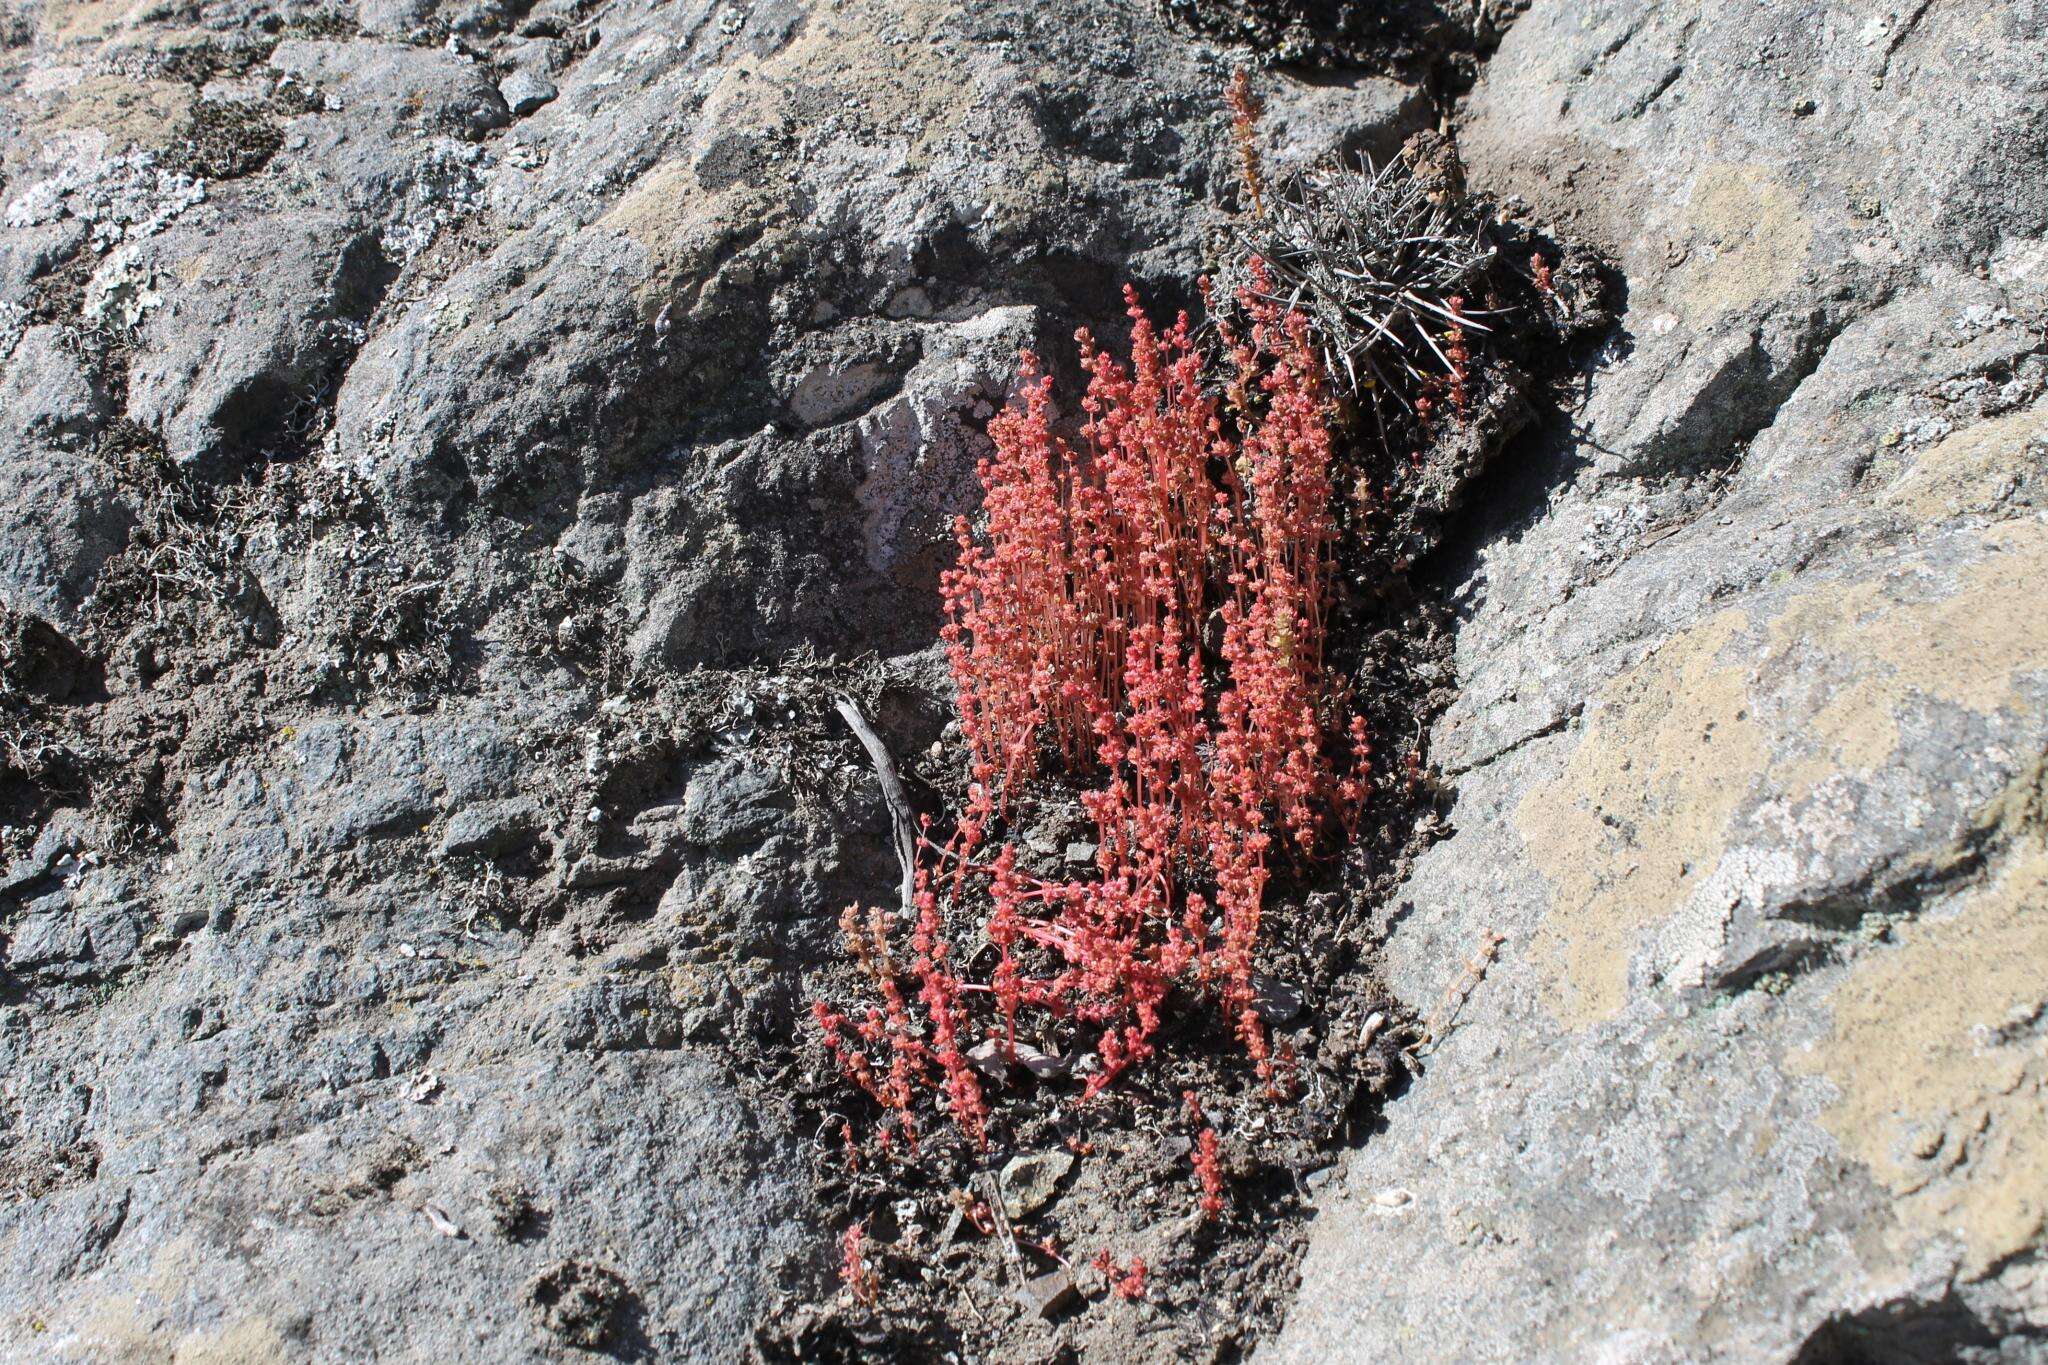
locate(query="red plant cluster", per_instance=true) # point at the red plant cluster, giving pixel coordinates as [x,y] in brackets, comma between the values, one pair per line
[1457,376]
[1207,1158]
[1245,111]
[854,1271]
[1125,1283]
[1149,605]
[1459,355]
[889,1029]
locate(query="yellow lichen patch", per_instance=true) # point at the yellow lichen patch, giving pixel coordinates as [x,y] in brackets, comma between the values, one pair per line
[899,96]
[649,210]
[1640,816]
[875,61]
[1748,242]
[1939,1055]
[120,1334]
[125,1323]
[665,203]
[686,229]
[1973,469]
[1968,648]
[246,1342]
[68,21]
[130,112]
[874,64]
[194,268]
[1640,813]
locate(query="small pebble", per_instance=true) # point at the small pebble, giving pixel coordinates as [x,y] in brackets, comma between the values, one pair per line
[525,92]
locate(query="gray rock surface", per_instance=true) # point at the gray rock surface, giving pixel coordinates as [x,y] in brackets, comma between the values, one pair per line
[1748,753]
[47,400]
[455,434]
[63,517]
[524,92]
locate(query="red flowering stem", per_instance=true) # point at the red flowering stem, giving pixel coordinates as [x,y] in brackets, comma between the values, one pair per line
[854,1271]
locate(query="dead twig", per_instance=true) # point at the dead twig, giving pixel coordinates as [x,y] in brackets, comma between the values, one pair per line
[893,794]
[990,1191]
[1446,1013]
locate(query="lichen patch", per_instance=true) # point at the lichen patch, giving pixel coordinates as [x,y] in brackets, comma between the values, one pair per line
[1939,1055]
[1639,816]
[1975,469]
[1678,747]
[1968,648]
[75,21]
[687,230]
[1748,242]
[132,113]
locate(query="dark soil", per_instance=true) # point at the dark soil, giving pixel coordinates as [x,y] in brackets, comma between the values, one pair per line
[1414,37]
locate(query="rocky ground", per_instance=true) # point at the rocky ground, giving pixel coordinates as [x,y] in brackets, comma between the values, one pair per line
[454,454]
